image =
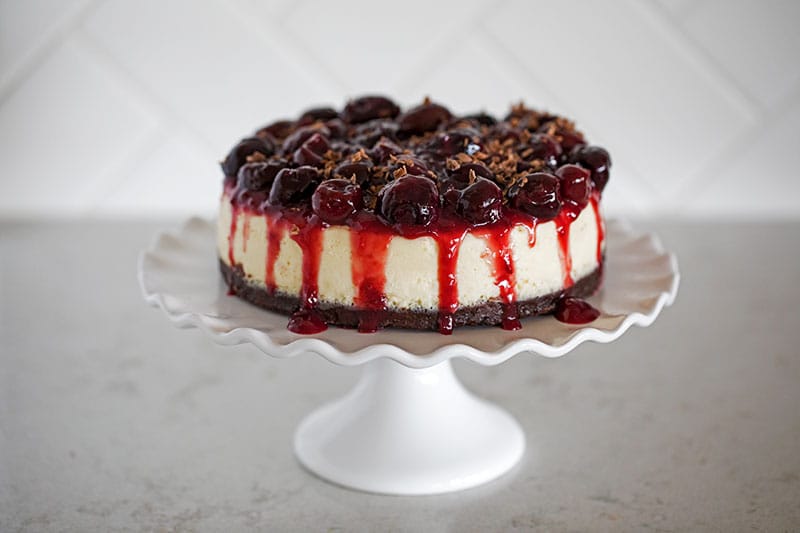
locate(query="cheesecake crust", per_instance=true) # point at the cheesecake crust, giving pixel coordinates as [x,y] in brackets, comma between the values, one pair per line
[488,314]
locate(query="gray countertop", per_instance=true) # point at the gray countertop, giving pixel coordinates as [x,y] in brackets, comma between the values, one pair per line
[111,419]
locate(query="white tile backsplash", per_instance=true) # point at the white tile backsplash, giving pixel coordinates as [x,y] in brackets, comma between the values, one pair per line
[26,26]
[61,133]
[122,107]
[757,42]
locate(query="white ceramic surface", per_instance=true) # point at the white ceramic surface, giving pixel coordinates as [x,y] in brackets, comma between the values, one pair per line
[409,431]
[407,428]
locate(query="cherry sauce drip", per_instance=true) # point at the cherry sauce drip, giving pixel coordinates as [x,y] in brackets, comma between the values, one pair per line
[369,251]
[449,246]
[307,320]
[504,276]
[370,243]
[575,311]
[601,230]
[274,237]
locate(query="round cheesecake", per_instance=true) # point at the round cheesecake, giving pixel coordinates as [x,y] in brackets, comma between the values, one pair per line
[372,217]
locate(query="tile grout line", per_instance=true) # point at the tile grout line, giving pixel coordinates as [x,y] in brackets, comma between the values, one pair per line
[428,63]
[748,137]
[757,112]
[695,52]
[132,83]
[289,48]
[50,42]
[562,106]
[685,12]
[121,171]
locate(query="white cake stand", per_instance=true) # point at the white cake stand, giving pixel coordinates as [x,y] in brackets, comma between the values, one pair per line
[409,426]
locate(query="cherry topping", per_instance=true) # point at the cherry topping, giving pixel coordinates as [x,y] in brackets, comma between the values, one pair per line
[575,311]
[384,150]
[304,156]
[450,200]
[481,202]
[306,322]
[361,170]
[409,201]
[246,147]
[368,133]
[406,164]
[279,129]
[544,148]
[425,117]
[311,151]
[506,134]
[575,186]
[337,127]
[317,113]
[301,135]
[453,142]
[565,134]
[460,177]
[259,175]
[595,159]
[368,108]
[335,200]
[538,195]
[484,119]
[293,186]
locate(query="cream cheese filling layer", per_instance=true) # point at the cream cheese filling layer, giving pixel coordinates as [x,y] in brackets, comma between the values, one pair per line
[412,280]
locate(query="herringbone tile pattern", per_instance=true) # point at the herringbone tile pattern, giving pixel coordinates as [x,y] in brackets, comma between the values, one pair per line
[118,107]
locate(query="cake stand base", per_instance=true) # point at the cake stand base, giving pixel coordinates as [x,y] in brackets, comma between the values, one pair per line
[409,431]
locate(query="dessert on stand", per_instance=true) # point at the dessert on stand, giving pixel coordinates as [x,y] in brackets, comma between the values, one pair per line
[399,240]
[376,217]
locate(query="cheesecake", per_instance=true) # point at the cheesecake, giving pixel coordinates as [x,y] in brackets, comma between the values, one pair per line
[373,216]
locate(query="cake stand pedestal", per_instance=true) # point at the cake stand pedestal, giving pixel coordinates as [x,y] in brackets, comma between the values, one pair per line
[408,426]
[409,431]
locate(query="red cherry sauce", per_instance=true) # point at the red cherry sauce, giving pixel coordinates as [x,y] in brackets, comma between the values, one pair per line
[449,245]
[370,238]
[601,230]
[563,223]
[307,319]
[235,210]
[575,311]
[274,237]
[369,250]
[246,229]
[306,322]
[504,276]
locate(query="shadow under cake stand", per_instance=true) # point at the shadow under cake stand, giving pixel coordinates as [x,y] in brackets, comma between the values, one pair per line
[408,426]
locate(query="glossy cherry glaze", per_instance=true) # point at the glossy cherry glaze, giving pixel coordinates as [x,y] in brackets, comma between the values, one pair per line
[370,238]
[575,311]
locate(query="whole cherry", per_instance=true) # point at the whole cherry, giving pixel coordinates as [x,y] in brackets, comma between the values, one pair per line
[336,199]
[481,202]
[596,160]
[538,194]
[575,186]
[544,148]
[367,108]
[246,147]
[259,175]
[423,118]
[411,201]
[293,186]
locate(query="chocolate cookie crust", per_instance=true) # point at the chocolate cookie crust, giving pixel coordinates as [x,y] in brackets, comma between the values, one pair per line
[487,314]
